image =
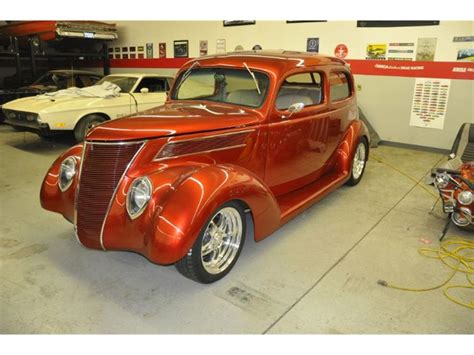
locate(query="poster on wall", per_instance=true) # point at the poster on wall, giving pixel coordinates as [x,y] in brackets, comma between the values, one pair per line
[162,50]
[149,50]
[430,101]
[181,49]
[341,51]
[203,47]
[312,44]
[401,51]
[466,55]
[425,50]
[220,46]
[463,39]
[140,54]
[376,51]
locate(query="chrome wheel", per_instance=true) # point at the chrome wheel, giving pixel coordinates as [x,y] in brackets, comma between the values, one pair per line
[358,163]
[221,240]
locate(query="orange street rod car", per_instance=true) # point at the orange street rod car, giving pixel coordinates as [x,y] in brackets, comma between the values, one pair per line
[263,133]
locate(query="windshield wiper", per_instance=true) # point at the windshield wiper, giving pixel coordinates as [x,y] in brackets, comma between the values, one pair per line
[253,77]
[186,74]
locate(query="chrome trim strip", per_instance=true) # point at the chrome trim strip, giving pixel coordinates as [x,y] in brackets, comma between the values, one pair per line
[143,143]
[115,143]
[76,194]
[210,137]
[200,151]
[200,139]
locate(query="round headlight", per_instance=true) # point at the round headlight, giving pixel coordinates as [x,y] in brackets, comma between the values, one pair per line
[441,180]
[465,198]
[138,196]
[66,173]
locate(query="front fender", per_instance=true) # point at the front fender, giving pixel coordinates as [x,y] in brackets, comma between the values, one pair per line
[183,199]
[51,197]
[187,209]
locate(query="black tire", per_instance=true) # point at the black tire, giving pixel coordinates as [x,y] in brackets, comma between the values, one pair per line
[355,178]
[191,265]
[85,124]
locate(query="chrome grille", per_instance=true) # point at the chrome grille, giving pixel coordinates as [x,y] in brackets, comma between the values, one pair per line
[103,166]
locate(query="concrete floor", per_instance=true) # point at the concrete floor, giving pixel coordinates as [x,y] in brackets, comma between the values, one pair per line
[318,274]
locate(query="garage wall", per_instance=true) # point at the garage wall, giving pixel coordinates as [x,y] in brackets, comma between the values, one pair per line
[386,101]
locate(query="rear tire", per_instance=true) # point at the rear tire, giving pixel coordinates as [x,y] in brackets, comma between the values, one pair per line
[359,162]
[217,247]
[85,124]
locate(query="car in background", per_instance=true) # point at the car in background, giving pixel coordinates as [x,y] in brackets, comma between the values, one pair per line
[244,137]
[51,81]
[52,115]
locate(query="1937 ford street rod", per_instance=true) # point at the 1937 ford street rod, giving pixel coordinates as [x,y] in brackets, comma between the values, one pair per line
[263,133]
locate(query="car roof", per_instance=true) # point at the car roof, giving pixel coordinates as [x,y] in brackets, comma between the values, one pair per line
[277,61]
[140,75]
[70,71]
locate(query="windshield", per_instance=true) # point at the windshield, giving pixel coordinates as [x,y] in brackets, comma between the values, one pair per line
[125,83]
[60,80]
[235,86]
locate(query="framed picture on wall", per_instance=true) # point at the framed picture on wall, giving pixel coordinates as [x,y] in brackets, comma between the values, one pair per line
[162,49]
[312,44]
[238,23]
[304,21]
[181,49]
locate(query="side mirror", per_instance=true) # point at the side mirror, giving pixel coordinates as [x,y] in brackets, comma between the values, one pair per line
[293,108]
[144,90]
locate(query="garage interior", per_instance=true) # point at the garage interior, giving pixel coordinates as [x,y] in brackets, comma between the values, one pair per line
[318,274]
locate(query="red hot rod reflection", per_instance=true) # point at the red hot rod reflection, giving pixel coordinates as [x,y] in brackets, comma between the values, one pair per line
[257,134]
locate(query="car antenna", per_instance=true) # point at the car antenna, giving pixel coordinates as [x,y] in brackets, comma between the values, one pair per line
[253,77]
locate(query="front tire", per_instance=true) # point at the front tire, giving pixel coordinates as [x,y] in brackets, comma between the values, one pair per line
[85,124]
[217,247]
[359,162]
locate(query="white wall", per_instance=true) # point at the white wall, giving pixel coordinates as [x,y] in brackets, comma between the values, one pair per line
[386,101]
[280,35]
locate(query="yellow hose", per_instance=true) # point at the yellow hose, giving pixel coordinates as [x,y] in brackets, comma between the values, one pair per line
[458,255]
[457,250]
[423,186]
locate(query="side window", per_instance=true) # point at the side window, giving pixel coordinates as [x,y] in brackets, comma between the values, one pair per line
[303,88]
[339,86]
[152,84]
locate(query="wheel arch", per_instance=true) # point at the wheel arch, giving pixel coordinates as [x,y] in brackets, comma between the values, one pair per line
[98,113]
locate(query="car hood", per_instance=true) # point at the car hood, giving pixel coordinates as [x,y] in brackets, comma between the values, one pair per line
[53,104]
[175,119]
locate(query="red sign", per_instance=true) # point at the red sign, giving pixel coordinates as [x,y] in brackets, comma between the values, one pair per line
[438,70]
[341,51]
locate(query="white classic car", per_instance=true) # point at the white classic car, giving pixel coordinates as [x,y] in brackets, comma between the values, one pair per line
[52,113]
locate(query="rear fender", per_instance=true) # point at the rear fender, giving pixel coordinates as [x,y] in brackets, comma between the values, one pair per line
[346,148]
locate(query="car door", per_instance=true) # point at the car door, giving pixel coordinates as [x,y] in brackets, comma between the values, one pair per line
[297,149]
[150,92]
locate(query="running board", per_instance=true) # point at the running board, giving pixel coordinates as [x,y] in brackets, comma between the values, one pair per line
[293,203]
